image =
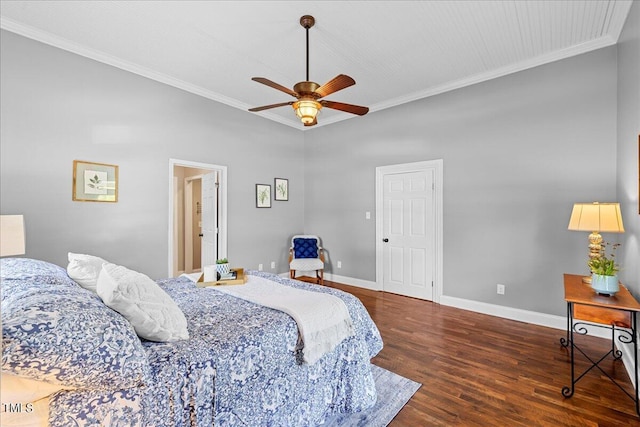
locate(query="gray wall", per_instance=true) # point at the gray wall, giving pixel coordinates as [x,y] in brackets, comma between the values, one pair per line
[57,107]
[628,146]
[518,151]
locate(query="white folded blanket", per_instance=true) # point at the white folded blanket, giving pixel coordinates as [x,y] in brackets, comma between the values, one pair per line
[323,320]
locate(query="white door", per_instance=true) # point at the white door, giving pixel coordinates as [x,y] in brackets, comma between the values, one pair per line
[177,202]
[209,219]
[408,225]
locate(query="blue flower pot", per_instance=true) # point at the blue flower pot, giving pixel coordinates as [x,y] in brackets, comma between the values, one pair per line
[606,285]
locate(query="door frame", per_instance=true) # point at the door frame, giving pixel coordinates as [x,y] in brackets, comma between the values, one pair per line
[428,165]
[222,208]
[188,222]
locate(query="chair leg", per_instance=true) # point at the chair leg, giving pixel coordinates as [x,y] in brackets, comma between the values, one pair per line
[292,274]
[320,276]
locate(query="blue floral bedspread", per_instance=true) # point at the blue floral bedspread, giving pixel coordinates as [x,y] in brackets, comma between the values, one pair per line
[238,368]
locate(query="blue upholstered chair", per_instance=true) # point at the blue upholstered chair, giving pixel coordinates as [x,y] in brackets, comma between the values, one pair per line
[306,254]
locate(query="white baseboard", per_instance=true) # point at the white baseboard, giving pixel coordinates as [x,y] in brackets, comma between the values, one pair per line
[526,316]
[359,283]
[541,319]
[627,358]
[366,284]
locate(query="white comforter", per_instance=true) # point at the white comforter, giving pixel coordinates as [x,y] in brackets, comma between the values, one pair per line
[323,320]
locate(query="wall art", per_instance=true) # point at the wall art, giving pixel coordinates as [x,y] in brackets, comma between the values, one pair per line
[94,182]
[263,195]
[282,189]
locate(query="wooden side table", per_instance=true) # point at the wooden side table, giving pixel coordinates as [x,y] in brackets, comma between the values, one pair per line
[617,312]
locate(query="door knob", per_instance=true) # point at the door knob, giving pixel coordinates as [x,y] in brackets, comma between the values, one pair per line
[385,240]
[200,234]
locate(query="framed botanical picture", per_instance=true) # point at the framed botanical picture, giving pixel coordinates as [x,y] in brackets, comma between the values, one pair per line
[94,182]
[263,195]
[281,188]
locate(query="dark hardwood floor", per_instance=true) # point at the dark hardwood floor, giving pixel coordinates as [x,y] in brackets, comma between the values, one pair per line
[480,370]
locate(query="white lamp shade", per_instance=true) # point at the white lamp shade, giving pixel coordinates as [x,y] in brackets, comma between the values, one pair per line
[600,217]
[12,241]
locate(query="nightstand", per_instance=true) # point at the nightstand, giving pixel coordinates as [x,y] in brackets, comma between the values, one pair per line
[617,313]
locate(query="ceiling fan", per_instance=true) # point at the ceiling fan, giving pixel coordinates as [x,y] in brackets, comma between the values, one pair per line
[309,94]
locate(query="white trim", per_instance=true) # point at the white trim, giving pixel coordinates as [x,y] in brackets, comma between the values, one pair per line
[105,58]
[222,219]
[541,319]
[188,224]
[174,230]
[68,45]
[520,315]
[349,281]
[501,72]
[627,357]
[526,316]
[437,167]
[517,314]
[359,283]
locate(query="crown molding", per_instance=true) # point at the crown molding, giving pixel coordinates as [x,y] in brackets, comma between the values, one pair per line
[500,72]
[96,55]
[65,44]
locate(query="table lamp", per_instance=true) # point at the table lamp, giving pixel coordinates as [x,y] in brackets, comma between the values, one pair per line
[12,241]
[596,217]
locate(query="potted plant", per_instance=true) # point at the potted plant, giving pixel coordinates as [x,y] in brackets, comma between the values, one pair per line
[222,266]
[604,277]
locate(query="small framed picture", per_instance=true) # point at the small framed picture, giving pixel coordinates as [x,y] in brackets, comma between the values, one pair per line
[282,189]
[94,182]
[263,195]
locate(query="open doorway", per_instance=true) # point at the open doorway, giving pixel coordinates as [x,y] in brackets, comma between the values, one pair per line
[197,215]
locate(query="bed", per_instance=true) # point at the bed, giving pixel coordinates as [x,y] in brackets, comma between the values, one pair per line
[71,360]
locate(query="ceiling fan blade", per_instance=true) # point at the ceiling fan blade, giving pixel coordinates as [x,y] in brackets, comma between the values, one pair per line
[349,108]
[274,85]
[266,107]
[339,82]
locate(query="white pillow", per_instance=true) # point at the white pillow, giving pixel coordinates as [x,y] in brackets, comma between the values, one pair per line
[149,309]
[85,269]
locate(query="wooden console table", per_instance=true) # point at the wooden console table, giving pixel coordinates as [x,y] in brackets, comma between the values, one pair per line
[618,313]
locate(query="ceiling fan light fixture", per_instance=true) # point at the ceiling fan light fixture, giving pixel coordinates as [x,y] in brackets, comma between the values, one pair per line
[309,94]
[307,110]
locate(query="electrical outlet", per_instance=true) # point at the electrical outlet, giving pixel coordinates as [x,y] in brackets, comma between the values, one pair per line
[259,267]
[339,264]
[501,289]
[273,264]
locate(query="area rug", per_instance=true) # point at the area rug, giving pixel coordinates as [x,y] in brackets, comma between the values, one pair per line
[394,392]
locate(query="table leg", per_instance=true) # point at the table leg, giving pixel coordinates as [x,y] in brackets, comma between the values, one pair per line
[564,341]
[634,331]
[566,391]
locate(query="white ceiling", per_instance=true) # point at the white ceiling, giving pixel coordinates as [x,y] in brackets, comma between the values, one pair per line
[397,51]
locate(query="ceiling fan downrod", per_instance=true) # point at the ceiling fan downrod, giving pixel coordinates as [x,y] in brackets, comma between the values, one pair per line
[307,21]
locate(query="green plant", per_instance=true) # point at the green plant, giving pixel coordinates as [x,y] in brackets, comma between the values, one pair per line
[605,265]
[281,189]
[95,182]
[222,261]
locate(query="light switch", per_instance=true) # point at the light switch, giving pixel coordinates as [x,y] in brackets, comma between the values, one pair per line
[367,215]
